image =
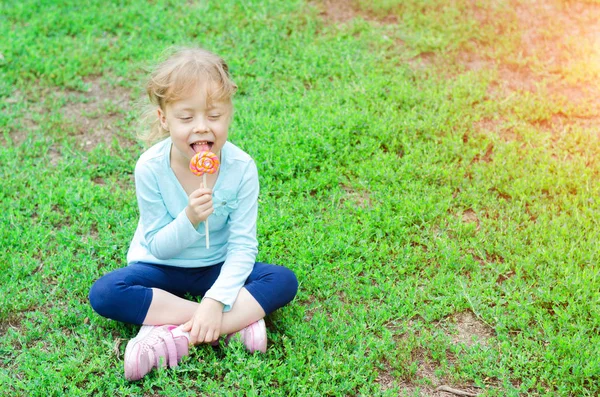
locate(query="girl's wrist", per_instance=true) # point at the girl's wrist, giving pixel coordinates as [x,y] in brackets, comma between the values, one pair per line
[190,215]
[213,302]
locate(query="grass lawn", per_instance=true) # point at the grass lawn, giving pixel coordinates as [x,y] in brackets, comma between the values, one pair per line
[429,169]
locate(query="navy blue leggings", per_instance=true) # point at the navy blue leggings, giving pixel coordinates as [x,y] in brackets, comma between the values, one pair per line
[125,294]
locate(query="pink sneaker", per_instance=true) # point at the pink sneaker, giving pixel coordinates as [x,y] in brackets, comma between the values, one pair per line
[254,336]
[154,346]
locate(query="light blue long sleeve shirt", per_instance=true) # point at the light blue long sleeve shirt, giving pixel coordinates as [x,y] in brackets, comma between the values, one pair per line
[165,235]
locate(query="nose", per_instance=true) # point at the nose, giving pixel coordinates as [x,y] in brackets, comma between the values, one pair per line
[201,125]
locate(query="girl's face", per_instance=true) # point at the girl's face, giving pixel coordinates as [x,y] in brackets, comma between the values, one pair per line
[196,125]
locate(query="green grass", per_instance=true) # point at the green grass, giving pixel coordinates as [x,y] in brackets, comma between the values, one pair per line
[406,185]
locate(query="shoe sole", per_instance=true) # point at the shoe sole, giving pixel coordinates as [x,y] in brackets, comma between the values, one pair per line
[252,333]
[132,372]
[261,346]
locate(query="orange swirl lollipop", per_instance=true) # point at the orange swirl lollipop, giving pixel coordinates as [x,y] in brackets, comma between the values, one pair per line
[201,164]
[204,163]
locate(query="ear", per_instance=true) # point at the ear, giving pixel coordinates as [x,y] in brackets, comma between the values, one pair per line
[162,118]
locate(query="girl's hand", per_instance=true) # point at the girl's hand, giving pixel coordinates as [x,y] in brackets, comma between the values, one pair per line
[205,325]
[200,206]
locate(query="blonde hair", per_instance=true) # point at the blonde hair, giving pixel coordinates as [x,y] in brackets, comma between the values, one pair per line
[172,79]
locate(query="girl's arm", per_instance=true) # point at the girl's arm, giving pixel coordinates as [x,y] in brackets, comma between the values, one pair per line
[165,236]
[242,246]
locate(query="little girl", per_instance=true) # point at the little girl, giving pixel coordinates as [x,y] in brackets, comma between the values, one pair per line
[168,257]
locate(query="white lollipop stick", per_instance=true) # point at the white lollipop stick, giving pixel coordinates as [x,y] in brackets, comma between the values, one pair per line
[206,221]
[200,165]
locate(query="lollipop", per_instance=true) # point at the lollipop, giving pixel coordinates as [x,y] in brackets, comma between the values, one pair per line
[204,163]
[201,164]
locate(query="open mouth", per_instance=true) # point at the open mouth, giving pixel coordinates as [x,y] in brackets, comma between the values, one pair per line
[201,146]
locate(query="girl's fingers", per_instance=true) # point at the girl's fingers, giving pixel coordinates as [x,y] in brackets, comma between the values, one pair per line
[204,212]
[204,207]
[187,326]
[201,200]
[195,333]
[201,210]
[201,335]
[201,203]
[209,337]
[201,192]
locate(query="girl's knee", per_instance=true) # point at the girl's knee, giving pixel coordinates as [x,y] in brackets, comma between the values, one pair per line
[288,280]
[100,293]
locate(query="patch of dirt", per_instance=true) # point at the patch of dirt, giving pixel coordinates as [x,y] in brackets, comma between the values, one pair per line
[470,216]
[511,80]
[357,198]
[385,379]
[495,126]
[425,381]
[341,11]
[505,276]
[54,155]
[92,117]
[17,132]
[470,330]
[337,10]
[310,307]
[543,21]
[12,321]
[97,113]
[92,235]
[551,33]
[410,390]
[426,370]
[489,258]
[423,61]
[465,329]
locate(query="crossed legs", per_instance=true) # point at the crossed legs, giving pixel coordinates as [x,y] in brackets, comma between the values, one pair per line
[167,308]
